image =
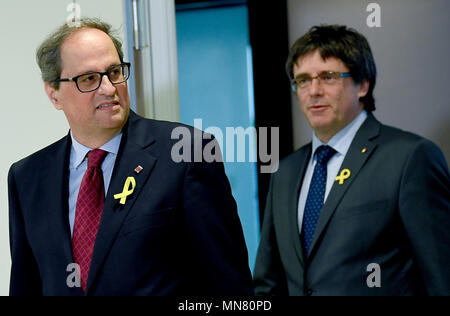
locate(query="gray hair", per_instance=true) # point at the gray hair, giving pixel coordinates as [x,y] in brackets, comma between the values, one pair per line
[48,54]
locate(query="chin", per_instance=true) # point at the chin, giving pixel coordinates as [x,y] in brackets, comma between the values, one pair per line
[117,121]
[320,123]
[121,115]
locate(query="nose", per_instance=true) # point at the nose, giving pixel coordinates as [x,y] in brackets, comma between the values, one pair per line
[106,87]
[316,87]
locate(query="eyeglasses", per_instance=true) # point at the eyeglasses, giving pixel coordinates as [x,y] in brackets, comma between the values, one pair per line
[91,81]
[304,81]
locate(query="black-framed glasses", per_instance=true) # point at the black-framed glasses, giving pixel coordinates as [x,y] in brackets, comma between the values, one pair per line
[91,81]
[304,81]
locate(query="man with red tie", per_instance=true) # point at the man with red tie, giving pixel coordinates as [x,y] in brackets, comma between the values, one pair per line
[108,199]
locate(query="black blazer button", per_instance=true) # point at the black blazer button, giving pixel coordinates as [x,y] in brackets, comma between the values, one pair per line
[308,292]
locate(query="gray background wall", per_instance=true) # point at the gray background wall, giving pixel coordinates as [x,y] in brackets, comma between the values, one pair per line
[411,51]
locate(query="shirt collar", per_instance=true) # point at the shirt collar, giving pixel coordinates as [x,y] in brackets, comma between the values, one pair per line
[80,151]
[342,140]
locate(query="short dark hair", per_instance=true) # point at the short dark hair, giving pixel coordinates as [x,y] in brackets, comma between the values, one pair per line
[48,54]
[344,43]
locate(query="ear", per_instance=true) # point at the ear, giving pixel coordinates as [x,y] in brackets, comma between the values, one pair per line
[52,94]
[363,88]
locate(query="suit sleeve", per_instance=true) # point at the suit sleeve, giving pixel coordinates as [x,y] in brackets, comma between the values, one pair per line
[24,279]
[269,277]
[214,231]
[424,205]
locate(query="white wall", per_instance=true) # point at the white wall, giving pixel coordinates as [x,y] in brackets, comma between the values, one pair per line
[411,52]
[29,122]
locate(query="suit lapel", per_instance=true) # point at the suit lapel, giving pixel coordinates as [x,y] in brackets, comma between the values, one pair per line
[57,175]
[359,152]
[132,154]
[296,178]
[55,203]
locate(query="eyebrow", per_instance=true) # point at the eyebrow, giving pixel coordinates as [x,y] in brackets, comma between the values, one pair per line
[93,71]
[303,74]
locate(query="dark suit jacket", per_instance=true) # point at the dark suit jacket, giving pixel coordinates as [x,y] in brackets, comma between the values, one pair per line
[393,211]
[178,233]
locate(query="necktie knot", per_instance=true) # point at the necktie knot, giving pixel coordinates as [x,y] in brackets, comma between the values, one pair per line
[95,158]
[324,154]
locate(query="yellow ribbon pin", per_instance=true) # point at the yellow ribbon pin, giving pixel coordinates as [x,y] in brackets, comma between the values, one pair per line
[345,174]
[126,190]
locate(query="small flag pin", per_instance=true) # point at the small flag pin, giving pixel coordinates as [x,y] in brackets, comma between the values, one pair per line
[138,169]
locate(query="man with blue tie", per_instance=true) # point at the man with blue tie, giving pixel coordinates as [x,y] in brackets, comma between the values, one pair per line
[364,209]
[106,210]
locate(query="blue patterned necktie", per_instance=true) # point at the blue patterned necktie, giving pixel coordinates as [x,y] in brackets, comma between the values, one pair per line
[316,194]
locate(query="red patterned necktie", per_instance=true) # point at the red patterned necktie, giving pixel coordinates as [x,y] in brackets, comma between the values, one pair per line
[90,202]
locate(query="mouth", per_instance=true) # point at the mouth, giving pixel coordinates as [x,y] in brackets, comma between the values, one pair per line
[318,107]
[108,106]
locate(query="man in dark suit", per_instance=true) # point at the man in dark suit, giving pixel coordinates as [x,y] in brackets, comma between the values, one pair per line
[106,210]
[364,209]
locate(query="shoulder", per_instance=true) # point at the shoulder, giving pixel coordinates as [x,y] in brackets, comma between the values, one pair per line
[402,148]
[180,142]
[38,159]
[397,135]
[291,164]
[162,130]
[401,141]
[302,153]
